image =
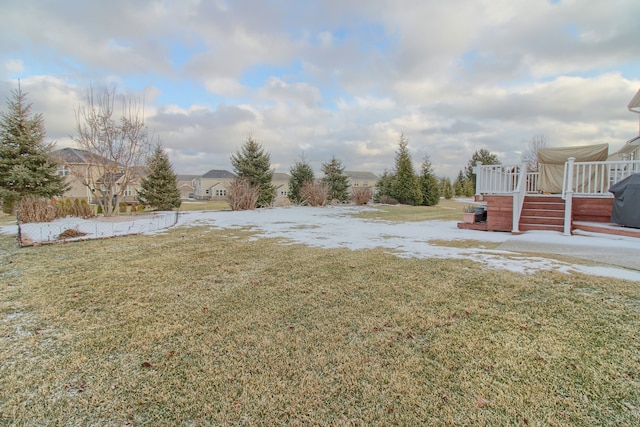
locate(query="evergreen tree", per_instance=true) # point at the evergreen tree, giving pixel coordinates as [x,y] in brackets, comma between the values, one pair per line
[384,186]
[336,180]
[160,186]
[480,157]
[26,166]
[429,184]
[253,163]
[458,185]
[301,173]
[406,188]
[446,188]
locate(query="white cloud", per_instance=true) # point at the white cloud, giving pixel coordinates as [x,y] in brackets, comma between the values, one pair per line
[13,66]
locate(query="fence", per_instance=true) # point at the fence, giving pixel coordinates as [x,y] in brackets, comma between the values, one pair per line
[77,229]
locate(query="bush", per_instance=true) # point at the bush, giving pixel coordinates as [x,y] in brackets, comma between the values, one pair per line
[386,200]
[36,209]
[242,195]
[361,195]
[314,193]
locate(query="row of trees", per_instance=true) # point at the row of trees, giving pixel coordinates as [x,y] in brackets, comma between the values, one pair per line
[117,146]
[118,142]
[253,186]
[404,185]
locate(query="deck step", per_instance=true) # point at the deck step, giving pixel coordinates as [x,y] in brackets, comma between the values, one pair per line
[542,213]
[549,213]
[546,206]
[540,227]
[541,220]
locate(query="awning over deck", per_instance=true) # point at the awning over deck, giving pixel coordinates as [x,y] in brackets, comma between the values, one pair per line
[552,162]
[634,105]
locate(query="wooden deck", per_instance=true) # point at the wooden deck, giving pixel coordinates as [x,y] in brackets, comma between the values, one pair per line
[546,212]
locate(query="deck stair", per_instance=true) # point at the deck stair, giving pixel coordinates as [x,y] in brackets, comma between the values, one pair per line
[542,213]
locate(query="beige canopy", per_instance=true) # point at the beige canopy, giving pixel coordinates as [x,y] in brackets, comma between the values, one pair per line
[552,160]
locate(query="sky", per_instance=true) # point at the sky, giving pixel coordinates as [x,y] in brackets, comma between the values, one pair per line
[315,79]
[336,227]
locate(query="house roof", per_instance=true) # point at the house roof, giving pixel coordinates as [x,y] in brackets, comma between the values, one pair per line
[634,104]
[71,156]
[186,177]
[629,146]
[280,176]
[361,175]
[218,174]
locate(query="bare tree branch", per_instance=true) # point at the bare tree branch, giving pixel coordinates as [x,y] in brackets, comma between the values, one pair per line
[116,146]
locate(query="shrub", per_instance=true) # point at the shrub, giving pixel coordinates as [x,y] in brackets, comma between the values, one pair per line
[386,200]
[36,209]
[243,195]
[361,195]
[314,193]
[280,202]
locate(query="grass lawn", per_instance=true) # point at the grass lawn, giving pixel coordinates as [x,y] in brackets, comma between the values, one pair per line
[202,326]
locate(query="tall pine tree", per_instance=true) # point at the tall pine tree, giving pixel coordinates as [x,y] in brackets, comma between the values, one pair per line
[480,157]
[160,186]
[384,187]
[429,184]
[446,188]
[337,181]
[254,164]
[407,185]
[301,173]
[26,166]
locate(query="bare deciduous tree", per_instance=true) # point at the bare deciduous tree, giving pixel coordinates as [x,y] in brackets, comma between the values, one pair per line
[530,154]
[116,143]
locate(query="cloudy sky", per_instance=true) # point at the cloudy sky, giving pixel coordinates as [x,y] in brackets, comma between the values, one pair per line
[323,77]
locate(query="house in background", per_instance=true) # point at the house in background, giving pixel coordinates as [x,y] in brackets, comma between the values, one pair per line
[280,182]
[77,166]
[362,179]
[187,186]
[213,185]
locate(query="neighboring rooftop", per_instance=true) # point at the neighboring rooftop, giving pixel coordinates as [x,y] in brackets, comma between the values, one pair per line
[361,175]
[218,174]
[183,177]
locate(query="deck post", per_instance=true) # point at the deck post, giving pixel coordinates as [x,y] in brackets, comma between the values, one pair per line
[568,193]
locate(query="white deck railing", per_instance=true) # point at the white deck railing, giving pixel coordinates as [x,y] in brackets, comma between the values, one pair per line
[499,179]
[580,178]
[595,178]
[588,178]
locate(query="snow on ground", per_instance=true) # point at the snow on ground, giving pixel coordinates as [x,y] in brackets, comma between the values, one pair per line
[335,227]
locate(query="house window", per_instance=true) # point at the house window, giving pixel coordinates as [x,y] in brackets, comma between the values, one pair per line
[63,171]
[206,191]
[221,193]
[128,191]
[284,193]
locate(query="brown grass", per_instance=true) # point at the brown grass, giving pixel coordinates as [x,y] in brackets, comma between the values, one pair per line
[214,327]
[446,210]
